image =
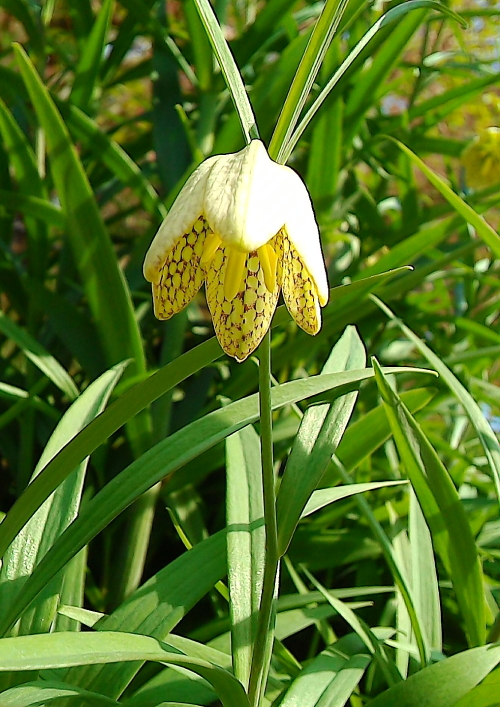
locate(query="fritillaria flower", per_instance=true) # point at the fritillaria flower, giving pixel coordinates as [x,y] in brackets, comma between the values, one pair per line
[481,159]
[244,225]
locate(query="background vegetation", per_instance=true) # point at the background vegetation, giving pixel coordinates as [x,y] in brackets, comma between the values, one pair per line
[106,109]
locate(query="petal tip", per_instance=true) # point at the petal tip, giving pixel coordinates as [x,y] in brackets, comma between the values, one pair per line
[152,270]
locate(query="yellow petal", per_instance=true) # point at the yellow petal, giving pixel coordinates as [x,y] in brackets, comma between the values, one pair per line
[481,159]
[268,260]
[240,322]
[180,219]
[181,274]
[234,272]
[299,290]
[212,242]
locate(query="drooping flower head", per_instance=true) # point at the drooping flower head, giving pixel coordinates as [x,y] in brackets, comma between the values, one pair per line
[481,159]
[245,225]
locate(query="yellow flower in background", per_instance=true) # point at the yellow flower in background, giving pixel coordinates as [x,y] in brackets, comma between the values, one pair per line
[245,225]
[481,159]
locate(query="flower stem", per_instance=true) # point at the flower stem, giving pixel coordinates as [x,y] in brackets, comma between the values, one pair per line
[265,628]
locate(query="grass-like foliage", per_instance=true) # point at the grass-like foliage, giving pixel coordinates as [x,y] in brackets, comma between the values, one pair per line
[317,526]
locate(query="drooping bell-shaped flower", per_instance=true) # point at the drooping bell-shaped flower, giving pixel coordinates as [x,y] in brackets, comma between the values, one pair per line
[245,225]
[481,159]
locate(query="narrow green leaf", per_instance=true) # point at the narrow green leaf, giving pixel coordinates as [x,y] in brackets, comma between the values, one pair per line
[477,329]
[155,609]
[25,400]
[72,326]
[319,434]
[146,701]
[306,73]
[32,206]
[410,249]
[483,429]
[154,465]
[450,528]
[485,695]
[484,230]
[105,287]
[121,411]
[58,650]
[87,70]
[12,392]
[84,616]
[180,687]
[245,544]
[41,692]
[424,576]
[229,69]
[395,567]
[368,637]
[323,497]
[194,649]
[405,643]
[354,290]
[292,621]
[57,512]
[445,682]
[325,154]
[39,356]
[328,680]
[372,79]
[202,50]
[107,150]
[392,15]
[72,591]
[451,99]
[373,428]
[23,161]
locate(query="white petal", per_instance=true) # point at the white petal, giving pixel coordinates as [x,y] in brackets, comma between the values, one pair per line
[185,210]
[302,230]
[245,198]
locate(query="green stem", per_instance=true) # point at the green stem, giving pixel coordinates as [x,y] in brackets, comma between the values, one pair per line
[265,628]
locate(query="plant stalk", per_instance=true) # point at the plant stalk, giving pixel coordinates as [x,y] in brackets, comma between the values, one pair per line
[265,627]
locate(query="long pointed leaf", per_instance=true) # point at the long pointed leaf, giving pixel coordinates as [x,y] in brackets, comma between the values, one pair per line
[51,519]
[390,16]
[30,183]
[245,544]
[229,69]
[484,230]
[155,609]
[87,70]
[443,510]
[121,411]
[39,356]
[66,649]
[163,459]
[443,683]
[108,296]
[319,434]
[483,429]
[41,692]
